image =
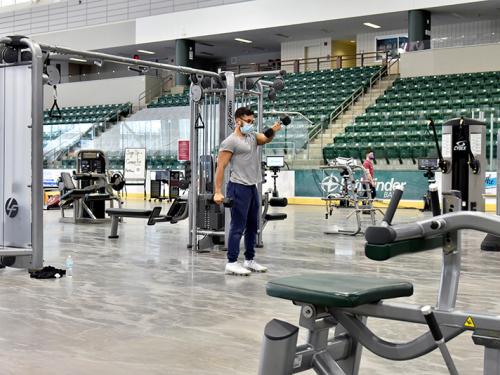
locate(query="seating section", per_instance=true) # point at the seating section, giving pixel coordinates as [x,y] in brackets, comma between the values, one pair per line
[315,95]
[88,114]
[171,100]
[154,160]
[395,126]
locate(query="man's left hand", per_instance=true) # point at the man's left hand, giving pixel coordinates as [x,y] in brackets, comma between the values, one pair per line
[277,126]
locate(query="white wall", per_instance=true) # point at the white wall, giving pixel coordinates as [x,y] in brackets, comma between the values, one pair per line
[55,15]
[105,91]
[104,36]
[295,50]
[480,58]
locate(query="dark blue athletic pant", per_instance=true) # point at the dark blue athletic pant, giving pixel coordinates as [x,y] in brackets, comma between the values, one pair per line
[244,219]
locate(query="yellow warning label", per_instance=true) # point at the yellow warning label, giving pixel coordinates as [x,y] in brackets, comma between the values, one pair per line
[469,323]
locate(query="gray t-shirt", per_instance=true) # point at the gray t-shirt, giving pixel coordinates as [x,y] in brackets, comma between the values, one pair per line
[245,163]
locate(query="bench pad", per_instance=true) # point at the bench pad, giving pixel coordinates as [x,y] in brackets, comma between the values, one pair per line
[128,212]
[333,290]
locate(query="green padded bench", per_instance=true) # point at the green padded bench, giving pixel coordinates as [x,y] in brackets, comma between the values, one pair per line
[337,290]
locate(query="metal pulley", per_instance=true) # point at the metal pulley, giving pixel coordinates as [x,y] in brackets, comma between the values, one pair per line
[117,181]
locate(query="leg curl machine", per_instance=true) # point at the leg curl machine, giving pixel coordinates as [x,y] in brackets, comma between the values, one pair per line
[344,302]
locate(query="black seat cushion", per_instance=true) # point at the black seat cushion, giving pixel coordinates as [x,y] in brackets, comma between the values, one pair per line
[128,212]
[275,216]
[337,290]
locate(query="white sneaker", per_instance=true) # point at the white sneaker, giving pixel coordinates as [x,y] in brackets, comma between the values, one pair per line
[253,266]
[236,269]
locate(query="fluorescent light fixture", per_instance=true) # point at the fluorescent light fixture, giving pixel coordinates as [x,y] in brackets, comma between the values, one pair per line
[243,40]
[146,52]
[372,25]
[78,60]
[353,41]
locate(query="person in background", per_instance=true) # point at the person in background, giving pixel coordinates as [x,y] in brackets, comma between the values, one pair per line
[368,165]
[240,152]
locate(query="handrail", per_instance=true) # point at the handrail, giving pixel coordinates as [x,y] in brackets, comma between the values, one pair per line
[158,84]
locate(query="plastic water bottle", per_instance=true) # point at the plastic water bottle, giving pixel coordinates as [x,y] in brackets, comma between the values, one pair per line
[69,266]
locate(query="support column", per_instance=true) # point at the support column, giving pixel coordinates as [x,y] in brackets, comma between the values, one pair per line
[184,55]
[419,29]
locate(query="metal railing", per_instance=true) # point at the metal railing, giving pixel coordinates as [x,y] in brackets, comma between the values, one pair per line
[313,63]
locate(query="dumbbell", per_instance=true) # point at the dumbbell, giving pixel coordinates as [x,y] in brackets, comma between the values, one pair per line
[227,202]
[285,120]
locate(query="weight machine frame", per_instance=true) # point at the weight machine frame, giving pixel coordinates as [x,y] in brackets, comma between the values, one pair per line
[213,103]
[348,166]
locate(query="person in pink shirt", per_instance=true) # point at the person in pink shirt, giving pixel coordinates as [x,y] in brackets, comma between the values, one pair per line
[368,165]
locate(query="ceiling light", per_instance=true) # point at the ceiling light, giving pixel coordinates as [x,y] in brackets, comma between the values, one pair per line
[243,40]
[78,60]
[353,41]
[146,52]
[372,25]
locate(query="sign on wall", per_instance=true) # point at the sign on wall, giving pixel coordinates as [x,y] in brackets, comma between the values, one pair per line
[135,164]
[183,150]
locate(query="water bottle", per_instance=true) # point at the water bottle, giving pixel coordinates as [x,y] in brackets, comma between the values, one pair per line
[69,266]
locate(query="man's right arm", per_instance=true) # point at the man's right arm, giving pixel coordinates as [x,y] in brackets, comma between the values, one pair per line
[222,161]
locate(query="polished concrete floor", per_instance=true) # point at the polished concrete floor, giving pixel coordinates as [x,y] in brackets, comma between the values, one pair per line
[145,304]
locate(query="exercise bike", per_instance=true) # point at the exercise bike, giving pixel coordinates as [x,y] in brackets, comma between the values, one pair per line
[344,302]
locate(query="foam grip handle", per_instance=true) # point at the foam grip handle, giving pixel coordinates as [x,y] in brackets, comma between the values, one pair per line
[393,206]
[430,318]
[278,202]
[435,206]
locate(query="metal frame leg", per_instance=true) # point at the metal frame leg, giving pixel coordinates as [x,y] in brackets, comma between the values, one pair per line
[491,342]
[325,364]
[350,363]
[114,227]
[491,361]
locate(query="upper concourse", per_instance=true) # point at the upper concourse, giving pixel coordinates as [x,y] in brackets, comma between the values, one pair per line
[99,24]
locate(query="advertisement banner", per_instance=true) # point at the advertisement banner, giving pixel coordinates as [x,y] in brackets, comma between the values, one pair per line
[320,183]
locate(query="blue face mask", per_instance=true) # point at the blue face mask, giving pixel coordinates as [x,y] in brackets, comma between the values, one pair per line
[247,128]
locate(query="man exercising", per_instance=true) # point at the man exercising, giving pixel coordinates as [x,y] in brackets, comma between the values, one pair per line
[239,150]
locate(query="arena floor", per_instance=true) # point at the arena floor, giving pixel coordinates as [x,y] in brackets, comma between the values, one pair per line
[145,304]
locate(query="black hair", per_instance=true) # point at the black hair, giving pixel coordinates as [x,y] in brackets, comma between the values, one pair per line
[243,111]
[368,150]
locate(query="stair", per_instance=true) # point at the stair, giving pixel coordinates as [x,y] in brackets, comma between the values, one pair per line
[312,157]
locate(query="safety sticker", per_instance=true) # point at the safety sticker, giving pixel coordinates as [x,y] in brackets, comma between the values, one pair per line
[469,323]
